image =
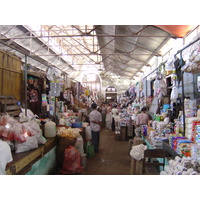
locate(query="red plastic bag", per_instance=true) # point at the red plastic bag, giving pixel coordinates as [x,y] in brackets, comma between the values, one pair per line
[72,161]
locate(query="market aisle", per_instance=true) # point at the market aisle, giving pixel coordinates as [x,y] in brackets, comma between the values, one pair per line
[112,159]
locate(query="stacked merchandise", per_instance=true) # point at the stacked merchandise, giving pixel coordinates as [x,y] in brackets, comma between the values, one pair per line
[55,88]
[195,152]
[157,143]
[70,119]
[183,146]
[172,140]
[192,128]
[182,166]
[190,108]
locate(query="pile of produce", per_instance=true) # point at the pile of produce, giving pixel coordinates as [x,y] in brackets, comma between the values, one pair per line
[69,133]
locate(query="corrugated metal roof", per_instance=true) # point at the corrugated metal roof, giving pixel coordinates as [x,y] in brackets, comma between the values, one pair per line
[113,51]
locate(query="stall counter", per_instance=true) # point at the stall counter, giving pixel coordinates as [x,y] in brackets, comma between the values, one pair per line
[22,162]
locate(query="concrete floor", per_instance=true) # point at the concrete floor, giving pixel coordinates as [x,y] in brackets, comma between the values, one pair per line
[112,159]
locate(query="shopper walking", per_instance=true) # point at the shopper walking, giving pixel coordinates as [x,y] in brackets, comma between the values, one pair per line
[114,114]
[95,125]
[103,113]
[109,120]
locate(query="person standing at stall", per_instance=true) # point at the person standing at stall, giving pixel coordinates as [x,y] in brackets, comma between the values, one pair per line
[141,119]
[5,156]
[95,125]
[33,94]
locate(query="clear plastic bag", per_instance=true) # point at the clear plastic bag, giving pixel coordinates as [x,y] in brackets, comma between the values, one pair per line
[29,144]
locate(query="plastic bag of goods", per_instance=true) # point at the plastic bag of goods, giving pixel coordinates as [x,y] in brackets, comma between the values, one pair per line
[62,144]
[174,93]
[29,144]
[79,145]
[88,133]
[36,131]
[72,162]
[137,151]
[30,115]
[6,124]
[89,149]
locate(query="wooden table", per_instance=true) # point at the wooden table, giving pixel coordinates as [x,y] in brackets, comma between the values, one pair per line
[22,162]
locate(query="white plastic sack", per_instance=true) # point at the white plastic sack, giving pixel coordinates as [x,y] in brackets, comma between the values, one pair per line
[170,63]
[50,74]
[88,133]
[137,152]
[36,131]
[29,144]
[79,145]
[30,115]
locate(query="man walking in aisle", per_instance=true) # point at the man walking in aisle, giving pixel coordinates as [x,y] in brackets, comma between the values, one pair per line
[95,125]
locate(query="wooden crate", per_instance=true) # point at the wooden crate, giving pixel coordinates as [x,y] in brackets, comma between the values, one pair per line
[9,105]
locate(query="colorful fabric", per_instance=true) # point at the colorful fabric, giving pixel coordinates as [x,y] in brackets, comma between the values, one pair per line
[33,96]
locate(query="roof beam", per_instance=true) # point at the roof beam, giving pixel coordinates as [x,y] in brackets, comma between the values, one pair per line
[82,35]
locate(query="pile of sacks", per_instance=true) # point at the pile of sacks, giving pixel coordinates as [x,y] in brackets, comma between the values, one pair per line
[20,136]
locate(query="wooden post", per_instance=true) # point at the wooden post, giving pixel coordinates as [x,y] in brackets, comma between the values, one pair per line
[136,165]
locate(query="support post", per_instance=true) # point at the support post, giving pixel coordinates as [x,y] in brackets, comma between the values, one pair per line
[183,94]
[25,84]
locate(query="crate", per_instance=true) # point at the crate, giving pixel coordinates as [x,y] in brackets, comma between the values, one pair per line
[9,104]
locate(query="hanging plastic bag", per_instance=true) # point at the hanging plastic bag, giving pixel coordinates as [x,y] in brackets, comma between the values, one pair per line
[174,93]
[90,150]
[169,66]
[50,74]
[72,161]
